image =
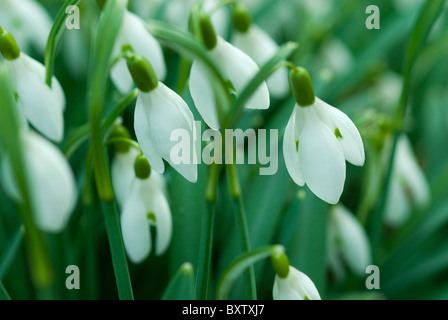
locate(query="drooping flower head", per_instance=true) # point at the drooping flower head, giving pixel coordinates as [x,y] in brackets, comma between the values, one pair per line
[346,237]
[258,45]
[236,66]
[290,283]
[317,141]
[42,105]
[159,112]
[140,195]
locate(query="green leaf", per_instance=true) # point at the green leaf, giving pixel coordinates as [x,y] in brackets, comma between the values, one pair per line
[11,252]
[4,295]
[236,269]
[181,286]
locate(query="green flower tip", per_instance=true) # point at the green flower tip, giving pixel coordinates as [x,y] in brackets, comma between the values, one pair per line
[186,268]
[280,263]
[120,132]
[141,167]
[208,34]
[8,45]
[142,72]
[241,18]
[301,86]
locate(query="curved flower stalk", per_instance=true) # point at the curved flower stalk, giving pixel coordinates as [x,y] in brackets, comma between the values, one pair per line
[259,45]
[133,33]
[317,141]
[51,182]
[162,116]
[296,286]
[347,237]
[408,187]
[28,21]
[143,204]
[43,106]
[237,67]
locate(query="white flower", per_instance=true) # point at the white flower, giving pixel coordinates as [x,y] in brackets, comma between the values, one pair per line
[51,183]
[134,33]
[296,286]
[237,67]
[336,58]
[347,237]
[158,114]
[28,21]
[317,141]
[143,204]
[258,45]
[408,186]
[43,106]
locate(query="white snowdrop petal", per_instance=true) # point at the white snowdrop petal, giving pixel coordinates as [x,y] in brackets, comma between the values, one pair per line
[143,43]
[202,95]
[163,222]
[297,286]
[143,135]
[321,158]
[42,105]
[135,226]
[351,140]
[355,246]
[121,77]
[410,173]
[122,172]
[164,115]
[240,69]
[398,208]
[51,183]
[290,152]
[258,45]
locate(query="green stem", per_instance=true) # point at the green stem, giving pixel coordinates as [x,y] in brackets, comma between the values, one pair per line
[11,252]
[235,190]
[117,251]
[54,39]
[205,254]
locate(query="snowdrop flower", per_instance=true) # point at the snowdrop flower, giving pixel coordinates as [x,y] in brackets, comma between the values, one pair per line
[28,21]
[51,183]
[290,283]
[237,67]
[258,45]
[318,139]
[408,187]
[43,106]
[347,237]
[133,33]
[337,59]
[142,202]
[159,113]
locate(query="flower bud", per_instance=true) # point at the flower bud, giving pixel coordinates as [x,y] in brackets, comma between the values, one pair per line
[241,18]
[208,33]
[8,45]
[142,72]
[142,167]
[120,131]
[280,263]
[302,87]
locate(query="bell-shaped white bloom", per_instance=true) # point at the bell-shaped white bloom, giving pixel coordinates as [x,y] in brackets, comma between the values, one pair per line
[408,188]
[160,115]
[28,21]
[347,238]
[317,141]
[143,203]
[238,68]
[134,33]
[258,45]
[43,106]
[51,183]
[336,58]
[296,286]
